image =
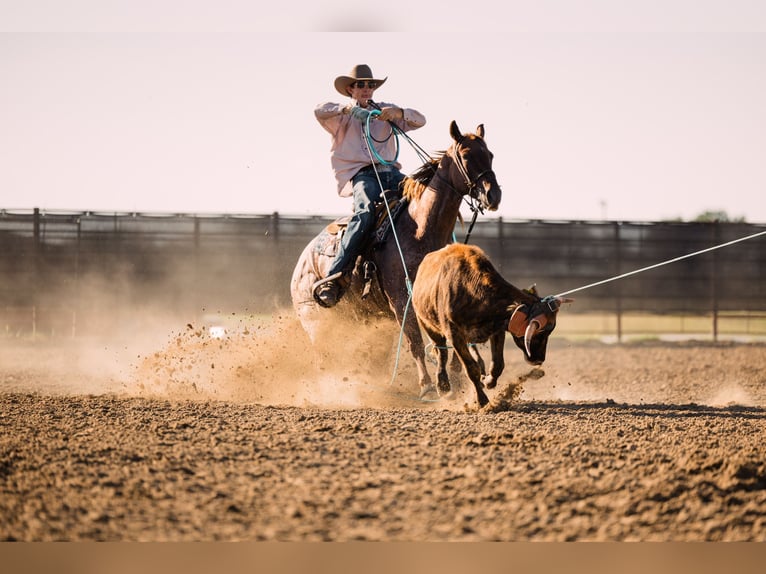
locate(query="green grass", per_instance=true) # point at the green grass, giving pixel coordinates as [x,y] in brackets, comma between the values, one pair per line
[648,325]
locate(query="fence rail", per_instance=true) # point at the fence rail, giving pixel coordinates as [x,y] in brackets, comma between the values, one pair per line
[93,266]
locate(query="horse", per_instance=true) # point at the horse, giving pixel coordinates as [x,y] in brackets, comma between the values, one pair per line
[431,198]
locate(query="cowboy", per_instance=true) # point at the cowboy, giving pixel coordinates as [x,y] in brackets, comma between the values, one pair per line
[364,166]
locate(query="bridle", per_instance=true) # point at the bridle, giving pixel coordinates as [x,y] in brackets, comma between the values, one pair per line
[471,185]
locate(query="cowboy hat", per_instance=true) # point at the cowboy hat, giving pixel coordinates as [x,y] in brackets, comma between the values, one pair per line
[358,72]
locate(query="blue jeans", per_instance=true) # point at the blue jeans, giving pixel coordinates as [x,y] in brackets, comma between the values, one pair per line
[367,191]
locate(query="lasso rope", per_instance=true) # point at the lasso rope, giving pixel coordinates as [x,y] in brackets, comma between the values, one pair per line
[628,274]
[408,282]
[371,148]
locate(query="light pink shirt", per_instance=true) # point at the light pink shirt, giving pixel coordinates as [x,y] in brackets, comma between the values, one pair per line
[349,142]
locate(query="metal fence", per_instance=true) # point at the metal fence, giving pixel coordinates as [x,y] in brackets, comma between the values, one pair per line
[74,273]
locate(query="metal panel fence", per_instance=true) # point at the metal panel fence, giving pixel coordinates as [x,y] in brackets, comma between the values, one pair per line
[71,273]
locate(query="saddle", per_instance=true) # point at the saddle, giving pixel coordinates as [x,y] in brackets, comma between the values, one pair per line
[379,234]
[377,237]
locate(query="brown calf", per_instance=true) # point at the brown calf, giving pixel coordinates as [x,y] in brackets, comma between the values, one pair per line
[459,297]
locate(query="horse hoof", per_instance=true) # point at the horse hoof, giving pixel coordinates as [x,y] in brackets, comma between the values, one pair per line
[428,393]
[489,381]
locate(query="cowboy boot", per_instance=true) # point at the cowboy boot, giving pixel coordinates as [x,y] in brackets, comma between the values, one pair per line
[327,291]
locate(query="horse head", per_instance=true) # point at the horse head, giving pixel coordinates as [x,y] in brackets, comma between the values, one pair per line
[473,160]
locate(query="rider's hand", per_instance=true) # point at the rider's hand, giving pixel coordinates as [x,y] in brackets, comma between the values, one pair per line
[357,113]
[391,113]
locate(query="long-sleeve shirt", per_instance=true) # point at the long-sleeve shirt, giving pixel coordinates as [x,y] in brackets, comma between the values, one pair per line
[349,141]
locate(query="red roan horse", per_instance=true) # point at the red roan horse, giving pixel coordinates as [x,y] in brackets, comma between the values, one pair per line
[434,195]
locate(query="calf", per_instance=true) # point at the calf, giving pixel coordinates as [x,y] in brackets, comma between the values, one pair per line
[458,296]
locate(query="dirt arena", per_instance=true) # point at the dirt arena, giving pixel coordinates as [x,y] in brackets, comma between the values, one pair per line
[184,436]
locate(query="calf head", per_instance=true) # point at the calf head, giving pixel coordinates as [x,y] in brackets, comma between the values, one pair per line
[532,324]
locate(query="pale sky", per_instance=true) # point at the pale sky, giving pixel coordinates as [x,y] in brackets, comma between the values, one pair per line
[635,111]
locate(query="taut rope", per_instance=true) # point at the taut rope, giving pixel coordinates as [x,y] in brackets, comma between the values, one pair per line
[688,255]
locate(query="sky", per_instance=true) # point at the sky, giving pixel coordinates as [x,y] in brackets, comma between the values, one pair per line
[633,111]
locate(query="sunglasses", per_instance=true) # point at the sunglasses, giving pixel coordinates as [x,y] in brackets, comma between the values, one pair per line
[369,84]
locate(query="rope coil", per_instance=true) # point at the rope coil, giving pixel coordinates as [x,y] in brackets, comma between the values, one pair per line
[370,115]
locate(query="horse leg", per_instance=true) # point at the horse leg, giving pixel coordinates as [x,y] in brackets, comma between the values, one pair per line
[414,338]
[456,372]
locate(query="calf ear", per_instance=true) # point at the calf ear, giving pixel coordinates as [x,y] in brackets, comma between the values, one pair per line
[532,289]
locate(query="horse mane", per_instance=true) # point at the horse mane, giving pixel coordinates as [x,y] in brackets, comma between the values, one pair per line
[415,183]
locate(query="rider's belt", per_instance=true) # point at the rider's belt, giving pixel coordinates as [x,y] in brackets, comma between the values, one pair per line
[376,167]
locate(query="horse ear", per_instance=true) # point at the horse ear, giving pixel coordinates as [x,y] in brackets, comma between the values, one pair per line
[455,131]
[480,131]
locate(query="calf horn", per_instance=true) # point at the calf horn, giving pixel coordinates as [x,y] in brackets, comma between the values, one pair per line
[532,329]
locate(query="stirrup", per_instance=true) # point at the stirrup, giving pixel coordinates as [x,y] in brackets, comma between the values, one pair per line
[369,268]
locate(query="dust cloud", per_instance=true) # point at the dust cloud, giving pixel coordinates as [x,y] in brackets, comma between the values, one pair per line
[165,340]
[270,360]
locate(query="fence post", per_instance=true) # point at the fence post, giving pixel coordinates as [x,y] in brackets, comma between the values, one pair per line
[78,248]
[714,278]
[198,299]
[38,267]
[617,271]
[274,226]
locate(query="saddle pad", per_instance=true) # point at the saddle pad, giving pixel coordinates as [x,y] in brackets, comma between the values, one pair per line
[327,243]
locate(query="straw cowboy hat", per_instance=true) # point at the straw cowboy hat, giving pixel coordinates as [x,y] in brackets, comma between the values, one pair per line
[358,72]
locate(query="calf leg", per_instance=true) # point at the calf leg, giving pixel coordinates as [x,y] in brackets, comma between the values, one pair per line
[472,368]
[457,375]
[440,344]
[477,356]
[497,360]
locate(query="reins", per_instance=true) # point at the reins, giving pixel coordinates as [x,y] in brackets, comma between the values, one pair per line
[475,206]
[471,185]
